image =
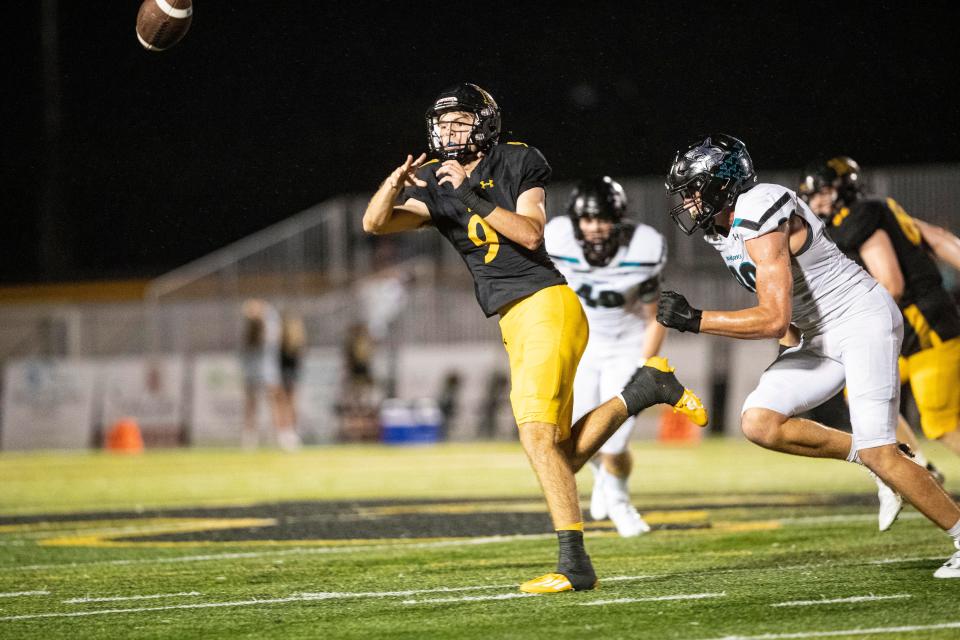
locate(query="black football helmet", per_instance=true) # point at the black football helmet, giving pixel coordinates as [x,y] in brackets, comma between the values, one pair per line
[840,172]
[601,198]
[707,176]
[486,121]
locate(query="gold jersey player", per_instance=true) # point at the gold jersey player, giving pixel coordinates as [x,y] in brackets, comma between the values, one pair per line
[880,235]
[488,200]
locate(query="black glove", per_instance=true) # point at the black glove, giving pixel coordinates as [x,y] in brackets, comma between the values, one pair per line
[675,312]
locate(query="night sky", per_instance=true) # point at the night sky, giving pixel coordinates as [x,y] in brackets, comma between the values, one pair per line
[263,111]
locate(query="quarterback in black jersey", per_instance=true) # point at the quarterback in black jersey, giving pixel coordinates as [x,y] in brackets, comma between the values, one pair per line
[894,248]
[488,201]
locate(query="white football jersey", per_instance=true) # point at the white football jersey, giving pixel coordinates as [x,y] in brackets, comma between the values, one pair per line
[611,295]
[825,281]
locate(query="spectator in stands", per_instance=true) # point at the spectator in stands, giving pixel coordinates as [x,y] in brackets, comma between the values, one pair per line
[497,393]
[293,342]
[358,407]
[449,401]
[358,352]
[261,373]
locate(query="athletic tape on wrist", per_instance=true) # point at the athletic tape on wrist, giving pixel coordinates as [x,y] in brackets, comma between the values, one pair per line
[474,203]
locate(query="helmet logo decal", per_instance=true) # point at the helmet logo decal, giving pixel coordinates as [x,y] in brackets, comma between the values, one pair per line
[704,157]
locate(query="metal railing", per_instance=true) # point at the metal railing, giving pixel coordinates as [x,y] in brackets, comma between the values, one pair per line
[318,262]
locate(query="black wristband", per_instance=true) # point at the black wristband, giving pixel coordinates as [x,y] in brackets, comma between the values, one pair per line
[473,202]
[694,324]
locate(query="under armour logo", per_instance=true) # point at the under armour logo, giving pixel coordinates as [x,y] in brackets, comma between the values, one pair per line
[486,184]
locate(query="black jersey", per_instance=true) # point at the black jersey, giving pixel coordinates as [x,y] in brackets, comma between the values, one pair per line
[930,313]
[503,271]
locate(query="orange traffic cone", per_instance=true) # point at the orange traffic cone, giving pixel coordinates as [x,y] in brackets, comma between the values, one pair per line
[124,436]
[676,427]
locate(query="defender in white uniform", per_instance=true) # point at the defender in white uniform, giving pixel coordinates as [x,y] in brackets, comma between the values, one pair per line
[848,328]
[614,265]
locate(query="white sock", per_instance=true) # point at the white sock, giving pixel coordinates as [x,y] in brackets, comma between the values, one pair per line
[618,486]
[853,456]
[954,532]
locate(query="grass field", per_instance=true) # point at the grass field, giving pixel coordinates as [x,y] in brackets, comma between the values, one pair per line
[373,542]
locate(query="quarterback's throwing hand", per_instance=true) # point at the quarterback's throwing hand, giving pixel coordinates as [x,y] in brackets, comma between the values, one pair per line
[451,172]
[406,174]
[675,312]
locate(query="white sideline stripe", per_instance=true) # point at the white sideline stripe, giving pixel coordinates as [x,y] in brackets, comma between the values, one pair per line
[870,598]
[845,632]
[899,560]
[501,596]
[864,517]
[172,12]
[295,551]
[334,595]
[200,605]
[122,598]
[297,597]
[17,594]
[626,578]
[686,596]
[422,545]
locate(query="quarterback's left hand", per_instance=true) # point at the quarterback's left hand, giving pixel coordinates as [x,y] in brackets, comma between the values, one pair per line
[675,312]
[451,172]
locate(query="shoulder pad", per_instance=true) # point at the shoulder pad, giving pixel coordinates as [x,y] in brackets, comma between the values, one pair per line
[560,242]
[763,209]
[647,248]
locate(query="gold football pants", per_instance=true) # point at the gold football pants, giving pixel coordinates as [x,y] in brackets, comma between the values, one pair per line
[545,335]
[934,377]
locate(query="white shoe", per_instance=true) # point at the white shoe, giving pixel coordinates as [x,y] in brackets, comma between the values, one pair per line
[626,519]
[890,504]
[288,440]
[950,568]
[598,499]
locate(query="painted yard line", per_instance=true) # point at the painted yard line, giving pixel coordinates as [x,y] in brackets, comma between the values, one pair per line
[139,529]
[17,594]
[914,559]
[687,596]
[154,596]
[627,578]
[845,632]
[870,598]
[296,551]
[336,595]
[864,517]
[501,596]
[199,605]
[146,526]
[299,597]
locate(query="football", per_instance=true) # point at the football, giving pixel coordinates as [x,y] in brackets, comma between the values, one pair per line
[162,23]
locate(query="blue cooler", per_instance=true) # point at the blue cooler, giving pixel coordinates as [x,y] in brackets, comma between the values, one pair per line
[429,420]
[417,422]
[396,418]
